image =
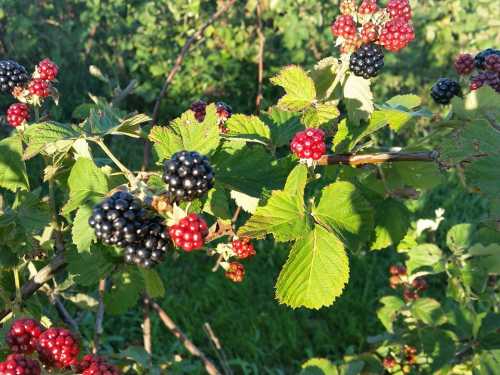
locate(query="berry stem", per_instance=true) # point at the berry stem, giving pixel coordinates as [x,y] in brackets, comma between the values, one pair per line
[17,283]
[377,158]
[128,174]
[59,241]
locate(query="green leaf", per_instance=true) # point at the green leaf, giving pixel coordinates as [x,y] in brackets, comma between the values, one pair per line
[153,283]
[429,311]
[127,287]
[392,220]
[388,312]
[83,233]
[425,257]
[439,345]
[409,101]
[344,209]
[283,125]
[489,363]
[481,103]
[13,174]
[217,203]
[48,137]
[358,98]
[460,237]
[296,181]
[319,114]
[349,134]
[246,202]
[130,126]
[249,128]
[89,267]
[102,119]
[86,181]
[186,133]
[299,88]
[316,271]
[32,214]
[319,366]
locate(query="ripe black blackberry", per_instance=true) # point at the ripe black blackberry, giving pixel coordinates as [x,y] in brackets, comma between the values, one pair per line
[480,58]
[151,248]
[117,219]
[367,60]
[444,90]
[12,75]
[188,175]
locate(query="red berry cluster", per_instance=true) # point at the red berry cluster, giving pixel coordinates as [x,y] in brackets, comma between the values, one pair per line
[47,70]
[94,365]
[405,358]
[224,112]
[390,27]
[235,272]
[410,289]
[243,248]
[482,69]
[309,144]
[17,114]
[57,348]
[39,87]
[189,233]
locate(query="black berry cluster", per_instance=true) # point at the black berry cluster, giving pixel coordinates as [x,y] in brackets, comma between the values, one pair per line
[12,75]
[367,60]
[188,175]
[151,249]
[480,58]
[122,221]
[444,90]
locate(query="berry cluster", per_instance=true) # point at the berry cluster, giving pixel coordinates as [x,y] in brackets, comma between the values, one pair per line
[188,175]
[367,61]
[401,360]
[243,248]
[224,112]
[189,233]
[389,27]
[122,221]
[57,348]
[482,69]
[411,290]
[309,144]
[15,79]
[444,90]
[235,272]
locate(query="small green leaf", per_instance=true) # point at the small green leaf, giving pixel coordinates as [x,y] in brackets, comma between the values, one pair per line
[83,233]
[319,114]
[13,174]
[409,101]
[319,366]
[388,231]
[344,209]
[249,128]
[358,98]
[296,181]
[425,257]
[299,88]
[315,273]
[127,287]
[460,237]
[439,346]
[429,311]
[89,267]
[153,283]
[217,203]
[350,134]
[392,305]
[283,125]
[130,126]
[45,136]
[246,202]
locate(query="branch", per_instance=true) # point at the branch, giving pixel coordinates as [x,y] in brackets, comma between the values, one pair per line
[214,340]
[260,56]
[188,344]
[378,158]
[146,331]
[45,274]
[63,313]
[177,66]
[99,316]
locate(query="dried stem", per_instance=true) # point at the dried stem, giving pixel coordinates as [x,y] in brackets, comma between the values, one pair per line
[378,158]
[188,344]
[215,342]
[146,330]
[260,57]
[177,66]
[99,316]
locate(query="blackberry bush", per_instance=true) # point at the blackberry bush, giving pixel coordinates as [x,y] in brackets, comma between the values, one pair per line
[444,90]
[12,75]
[188,175]
[367,61]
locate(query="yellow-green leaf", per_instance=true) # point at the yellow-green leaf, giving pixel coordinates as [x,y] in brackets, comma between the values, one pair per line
[299,88]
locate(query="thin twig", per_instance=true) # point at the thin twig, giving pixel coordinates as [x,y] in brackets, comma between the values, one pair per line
[260,57]
[215,342]
[377,158]
[99,316]
[130,176]
[188,344]
[177,66]
[63,313]
[58,237]
[122,94]
[146,331]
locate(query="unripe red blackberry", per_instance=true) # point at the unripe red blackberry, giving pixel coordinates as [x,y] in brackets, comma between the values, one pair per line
[368,7]
[39,87]
[12,75]
[235,272]
[188,175]
[309,144]
[58,348]
[199,108]
[410,295]
[480,58]
[492,63]
[18,364]
[397,270]
[394,281]
[396,34]
[399,9]
[367,61]
[369,32]
[17,114]
[189,233]
[47,70]
[344,26]
[243,248]
[224,112]
[94,365]
[419,284]
[389,362]
[491,79]
[347,6]
[444,90]
[23,335]
[351,44]
[464,64]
